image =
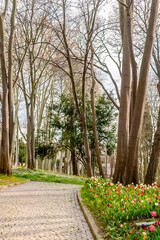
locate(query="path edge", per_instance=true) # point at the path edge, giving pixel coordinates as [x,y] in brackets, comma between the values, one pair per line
[12,185]
[90,220]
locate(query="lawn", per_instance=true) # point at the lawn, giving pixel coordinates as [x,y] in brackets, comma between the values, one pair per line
[5,180]
[48,176]
[118,208]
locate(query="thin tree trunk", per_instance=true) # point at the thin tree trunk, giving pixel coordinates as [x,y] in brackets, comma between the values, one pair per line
[93,160]
[106,157]
[86,145]
[17,128]
[29,143]
[132,55]
[60,162]
[32,135]
[94,127]
[5,163]
[10,81]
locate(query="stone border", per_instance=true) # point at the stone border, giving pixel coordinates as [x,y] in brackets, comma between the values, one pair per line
[91,222]
[12,185]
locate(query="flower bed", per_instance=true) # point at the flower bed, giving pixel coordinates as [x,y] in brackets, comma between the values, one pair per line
[119,207]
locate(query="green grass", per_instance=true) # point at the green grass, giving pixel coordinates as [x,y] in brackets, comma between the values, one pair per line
[47,176]
[5,180]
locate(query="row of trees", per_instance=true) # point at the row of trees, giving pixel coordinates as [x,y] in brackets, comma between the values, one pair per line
[62,47]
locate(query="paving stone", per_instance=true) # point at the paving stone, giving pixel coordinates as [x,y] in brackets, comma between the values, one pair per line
[42,211]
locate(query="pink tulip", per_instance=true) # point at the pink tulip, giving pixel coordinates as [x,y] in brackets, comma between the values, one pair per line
[151,228]
[154,214]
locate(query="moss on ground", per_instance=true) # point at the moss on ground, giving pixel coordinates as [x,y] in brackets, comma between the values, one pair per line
[5,180]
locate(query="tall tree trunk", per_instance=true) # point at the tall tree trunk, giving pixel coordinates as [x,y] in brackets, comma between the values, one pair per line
[124,110]
[72,142]
[5,164]
[74,162]
[60,161]
[7,85]
[5,159]
[86,145]
[135,169]
[32,135]
[134,77]
[112,164]
[106,157]
[94,127]
[155,155]
[17,128]
[10,81]
[28,160]
[141,94]
[93,159]
[29,165]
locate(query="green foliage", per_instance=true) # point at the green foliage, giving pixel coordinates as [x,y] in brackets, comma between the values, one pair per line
[22,151]
[45,150]
[105,120]
[58,163]
[66,125]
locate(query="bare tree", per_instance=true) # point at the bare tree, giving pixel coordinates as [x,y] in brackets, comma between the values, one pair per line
[31,38]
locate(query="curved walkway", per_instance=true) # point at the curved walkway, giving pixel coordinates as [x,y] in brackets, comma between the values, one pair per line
[41,210]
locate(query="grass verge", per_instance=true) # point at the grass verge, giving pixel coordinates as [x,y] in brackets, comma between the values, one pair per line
[47,176]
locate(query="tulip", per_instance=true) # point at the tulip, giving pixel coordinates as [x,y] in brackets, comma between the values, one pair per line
[151,228]
[154,214]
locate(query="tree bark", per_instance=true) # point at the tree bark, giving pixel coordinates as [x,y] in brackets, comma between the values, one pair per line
[124,110]
[93,159]
[5,164]
[10,81]
[32,135]
[17,128]
[29,164]
[86,146]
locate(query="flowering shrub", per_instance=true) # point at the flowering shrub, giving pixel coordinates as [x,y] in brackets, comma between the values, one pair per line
[118,207]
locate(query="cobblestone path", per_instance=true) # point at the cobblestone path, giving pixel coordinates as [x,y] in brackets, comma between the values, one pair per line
[41,210]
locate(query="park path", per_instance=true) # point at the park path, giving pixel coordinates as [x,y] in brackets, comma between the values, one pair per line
[41,210]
